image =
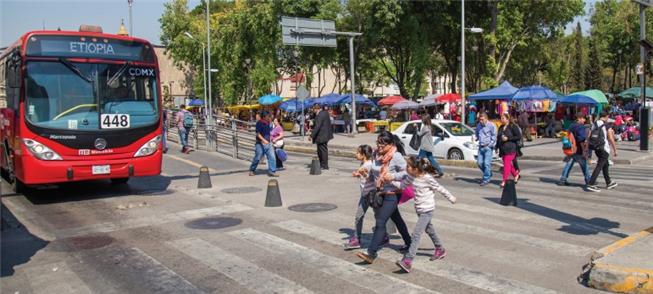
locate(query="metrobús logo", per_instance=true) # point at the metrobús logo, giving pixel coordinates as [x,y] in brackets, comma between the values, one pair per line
[92,47]
[85,152]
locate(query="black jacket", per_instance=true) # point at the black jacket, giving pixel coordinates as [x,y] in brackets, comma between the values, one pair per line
[513,134]
[322,131]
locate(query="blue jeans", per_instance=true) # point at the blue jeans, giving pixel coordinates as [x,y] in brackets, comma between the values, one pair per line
[183,137]
[484,162]
[429,155]
[583,167]
[382,214]
[259,151]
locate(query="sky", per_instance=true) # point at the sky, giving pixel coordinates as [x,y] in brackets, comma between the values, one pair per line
[20,16]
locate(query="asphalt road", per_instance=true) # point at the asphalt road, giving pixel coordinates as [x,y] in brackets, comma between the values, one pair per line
[162,235]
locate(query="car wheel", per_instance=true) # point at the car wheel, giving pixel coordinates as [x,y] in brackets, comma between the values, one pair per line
[455,154]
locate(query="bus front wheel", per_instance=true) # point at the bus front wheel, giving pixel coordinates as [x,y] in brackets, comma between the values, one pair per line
[118,181]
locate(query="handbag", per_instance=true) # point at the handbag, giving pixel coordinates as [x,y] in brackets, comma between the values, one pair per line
[374,198]
[407,194]
[278,144]
[415,142]
[282,155]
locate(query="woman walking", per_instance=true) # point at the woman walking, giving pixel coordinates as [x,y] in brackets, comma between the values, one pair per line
[388,161]
[426,146]
[507,138]
[277,141]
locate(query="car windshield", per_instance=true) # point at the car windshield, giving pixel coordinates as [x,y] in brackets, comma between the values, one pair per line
[74,96]
[457,129]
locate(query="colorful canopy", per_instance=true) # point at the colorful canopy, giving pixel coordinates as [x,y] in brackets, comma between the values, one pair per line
[594,94]
[534,92]
[407,104]
[360,100]
[578,99]
[269,99]
[636,92]
[292,105]
[328,99]
[196,102]
[450,97]
[390,100]
[503,92]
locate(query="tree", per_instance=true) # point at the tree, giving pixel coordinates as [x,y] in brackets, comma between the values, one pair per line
[577,71]
[593,69]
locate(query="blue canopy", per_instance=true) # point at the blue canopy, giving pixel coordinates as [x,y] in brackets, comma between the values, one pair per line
[328,99]
[269,99]
[360,99]
[292,105]
[196,102]
[503,91]
[535,92]
[578,99]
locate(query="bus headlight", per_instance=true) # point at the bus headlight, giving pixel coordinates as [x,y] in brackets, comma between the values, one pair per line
[148,148]
[41,151]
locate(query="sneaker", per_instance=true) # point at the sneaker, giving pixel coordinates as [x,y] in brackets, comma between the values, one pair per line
[405,264]
[612,185]
[352,244]
[563,183]
[610,162]
[252,173]
[592,188]
[366,257]
[273,175]
[484,183]
[439,253]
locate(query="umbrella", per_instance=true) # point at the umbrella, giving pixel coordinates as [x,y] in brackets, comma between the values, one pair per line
[503,91]
[451,97]
[534,92]
[269,99]
[390,100]
[292,105]
[360,100]
[597,95]
[636,92]
[578,99]
[405,105]
[196,102]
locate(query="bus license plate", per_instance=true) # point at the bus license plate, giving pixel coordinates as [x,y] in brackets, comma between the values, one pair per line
[101,169]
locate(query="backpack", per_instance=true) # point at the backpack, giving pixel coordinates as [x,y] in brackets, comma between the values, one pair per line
[596,139]
[569,144]
[188,120]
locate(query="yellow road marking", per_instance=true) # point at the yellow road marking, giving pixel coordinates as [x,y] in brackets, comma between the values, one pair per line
[624,242]
[189,162]
[626,280]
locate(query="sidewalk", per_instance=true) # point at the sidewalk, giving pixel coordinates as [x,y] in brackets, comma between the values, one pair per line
[625,266]
[546,149]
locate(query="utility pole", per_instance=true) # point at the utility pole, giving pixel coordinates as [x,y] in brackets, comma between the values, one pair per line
[131,24]
[462,61]
[208,62]
[644,111]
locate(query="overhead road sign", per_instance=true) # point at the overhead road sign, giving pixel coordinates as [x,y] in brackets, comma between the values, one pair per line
[308,32]
[648,3]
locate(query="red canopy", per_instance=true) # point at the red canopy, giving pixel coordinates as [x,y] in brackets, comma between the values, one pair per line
[451,97]
[390,100]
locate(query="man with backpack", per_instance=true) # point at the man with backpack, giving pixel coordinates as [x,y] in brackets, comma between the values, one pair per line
[598,141]
[184,122]
[574,146]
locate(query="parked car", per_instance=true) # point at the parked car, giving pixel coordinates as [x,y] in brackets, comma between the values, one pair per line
[452,139]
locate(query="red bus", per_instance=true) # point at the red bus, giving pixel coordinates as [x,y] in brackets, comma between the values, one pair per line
[79,106]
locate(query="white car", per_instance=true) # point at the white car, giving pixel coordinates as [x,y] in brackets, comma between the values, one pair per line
[452,139]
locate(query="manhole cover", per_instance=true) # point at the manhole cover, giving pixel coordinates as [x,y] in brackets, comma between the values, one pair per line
[212,223]
[81,243]
[313,207]
[241,190]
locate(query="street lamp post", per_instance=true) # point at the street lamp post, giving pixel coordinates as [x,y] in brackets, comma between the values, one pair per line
[462,59]
[644,111]
[208,62]
[131,24]
[204,72]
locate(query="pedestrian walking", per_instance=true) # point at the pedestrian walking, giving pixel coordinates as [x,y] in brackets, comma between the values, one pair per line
[184,122]
[525,125]
[576,139]
[507,139]
[164,136]
[486,134]
[264,145]
[388,160]
[520,145]
[426,146]
[277,142]
[321,135]
[419,173]
[346,117]
[364,154]
[599,142]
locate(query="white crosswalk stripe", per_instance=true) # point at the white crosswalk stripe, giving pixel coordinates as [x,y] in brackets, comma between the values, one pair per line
[55,278]
[238,269]
[446,270]
[339,268]
[151,220]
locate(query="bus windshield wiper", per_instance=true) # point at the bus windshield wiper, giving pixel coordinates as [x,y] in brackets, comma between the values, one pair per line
[118,73]
[75,69]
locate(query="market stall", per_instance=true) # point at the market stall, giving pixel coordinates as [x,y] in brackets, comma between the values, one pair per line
[496,100]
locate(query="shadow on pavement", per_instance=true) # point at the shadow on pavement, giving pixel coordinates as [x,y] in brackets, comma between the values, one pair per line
[18,244]
[555,182]
[576,225]
[477,181]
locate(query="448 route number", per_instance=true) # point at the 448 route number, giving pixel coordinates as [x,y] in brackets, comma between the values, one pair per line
[114,121]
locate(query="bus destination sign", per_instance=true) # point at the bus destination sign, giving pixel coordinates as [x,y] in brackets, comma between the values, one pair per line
[86,47]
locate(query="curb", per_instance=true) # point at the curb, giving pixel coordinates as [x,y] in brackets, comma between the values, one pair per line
[615,278]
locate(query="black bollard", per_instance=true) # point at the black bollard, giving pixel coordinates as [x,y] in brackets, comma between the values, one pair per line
[315,167]
[509,194]
[273,196]
[204,181]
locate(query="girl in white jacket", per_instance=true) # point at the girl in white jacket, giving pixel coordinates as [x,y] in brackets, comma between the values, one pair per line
[419,173]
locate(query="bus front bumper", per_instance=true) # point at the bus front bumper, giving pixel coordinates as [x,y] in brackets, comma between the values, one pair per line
[50,172]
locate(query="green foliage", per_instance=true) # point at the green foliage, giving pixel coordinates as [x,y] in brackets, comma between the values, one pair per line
[593,69]
[578,69]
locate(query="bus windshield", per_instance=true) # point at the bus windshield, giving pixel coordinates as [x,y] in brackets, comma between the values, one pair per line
[75,96]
